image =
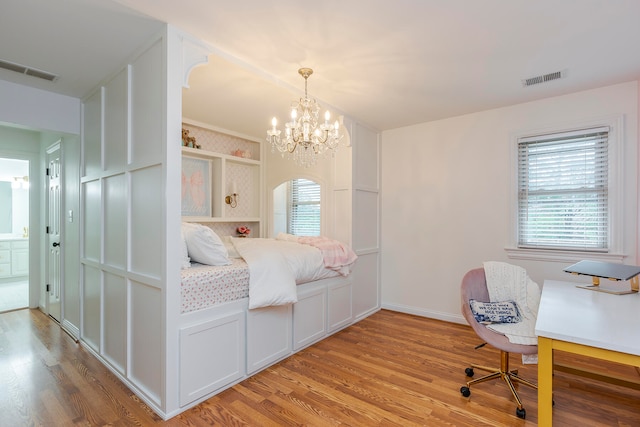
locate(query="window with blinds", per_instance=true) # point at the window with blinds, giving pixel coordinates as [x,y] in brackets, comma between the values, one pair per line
[304,208]
[563,200]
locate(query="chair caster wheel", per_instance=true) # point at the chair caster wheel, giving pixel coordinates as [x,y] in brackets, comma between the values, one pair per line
[464,390]
[521,413]
[469,372]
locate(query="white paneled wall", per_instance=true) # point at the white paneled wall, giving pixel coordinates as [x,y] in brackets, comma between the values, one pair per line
[366,220]
[123,209]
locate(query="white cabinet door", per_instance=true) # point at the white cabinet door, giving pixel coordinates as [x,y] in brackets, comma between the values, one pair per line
[268,336]
[309,317]
[5,259]
[20,262]
[212,355]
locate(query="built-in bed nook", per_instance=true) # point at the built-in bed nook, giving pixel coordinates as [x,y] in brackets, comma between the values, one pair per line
[176,337]
[247,302]
[247,314]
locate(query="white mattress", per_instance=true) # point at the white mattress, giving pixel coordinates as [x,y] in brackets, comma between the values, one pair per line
[205,286]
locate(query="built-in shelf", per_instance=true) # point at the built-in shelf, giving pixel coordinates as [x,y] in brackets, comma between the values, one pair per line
[204,154]
[214,219]
[227,172]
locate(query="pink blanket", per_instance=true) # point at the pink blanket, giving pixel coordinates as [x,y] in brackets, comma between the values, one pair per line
[336,255]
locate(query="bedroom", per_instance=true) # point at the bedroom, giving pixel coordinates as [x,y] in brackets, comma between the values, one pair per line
[442,242]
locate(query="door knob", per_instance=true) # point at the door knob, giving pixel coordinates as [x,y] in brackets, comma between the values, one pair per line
[56,244]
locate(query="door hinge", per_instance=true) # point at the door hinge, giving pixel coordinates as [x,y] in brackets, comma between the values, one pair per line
[48,171]
[47,230]
[48,287]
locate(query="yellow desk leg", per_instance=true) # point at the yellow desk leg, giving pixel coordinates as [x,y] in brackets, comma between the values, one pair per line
[545,381]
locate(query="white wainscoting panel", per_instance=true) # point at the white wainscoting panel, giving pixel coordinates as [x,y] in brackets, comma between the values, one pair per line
[212,355]
[91,306]
[342,208]
[145,339]
[146,236]
[366,296]
[366,159]
[115,221]
[92,220]
[146,108]
[340,306]
[366,220]
[92,143]
[309,317]
[268,336]
[115,316]
[115,122]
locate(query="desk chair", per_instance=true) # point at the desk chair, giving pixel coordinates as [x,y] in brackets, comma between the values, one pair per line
[474,286]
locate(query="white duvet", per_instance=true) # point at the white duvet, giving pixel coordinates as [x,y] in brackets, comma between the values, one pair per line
[276,267]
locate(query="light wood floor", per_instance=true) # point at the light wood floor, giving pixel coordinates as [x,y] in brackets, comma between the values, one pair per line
[390,369]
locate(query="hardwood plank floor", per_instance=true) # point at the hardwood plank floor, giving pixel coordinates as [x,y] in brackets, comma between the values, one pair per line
[390,369]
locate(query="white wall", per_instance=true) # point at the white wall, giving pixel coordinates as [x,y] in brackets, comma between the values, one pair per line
[39,109]
[446,195]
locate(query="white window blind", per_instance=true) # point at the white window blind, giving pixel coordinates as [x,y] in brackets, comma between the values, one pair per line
[563,198]
[304,208]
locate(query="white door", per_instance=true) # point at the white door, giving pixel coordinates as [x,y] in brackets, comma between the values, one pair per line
[52,240]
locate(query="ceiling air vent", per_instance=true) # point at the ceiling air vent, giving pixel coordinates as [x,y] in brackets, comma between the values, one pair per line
[22,69]
[543,79]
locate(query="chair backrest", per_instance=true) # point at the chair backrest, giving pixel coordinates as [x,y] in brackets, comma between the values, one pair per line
[474,286]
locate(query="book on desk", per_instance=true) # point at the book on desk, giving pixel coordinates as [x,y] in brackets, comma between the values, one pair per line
[606,270]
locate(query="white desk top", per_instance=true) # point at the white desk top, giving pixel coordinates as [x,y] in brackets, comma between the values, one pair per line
[596,319]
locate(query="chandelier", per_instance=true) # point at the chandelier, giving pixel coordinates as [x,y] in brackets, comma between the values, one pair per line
[304,138]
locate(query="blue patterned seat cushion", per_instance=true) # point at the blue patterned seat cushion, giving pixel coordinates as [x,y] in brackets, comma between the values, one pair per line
[495,312]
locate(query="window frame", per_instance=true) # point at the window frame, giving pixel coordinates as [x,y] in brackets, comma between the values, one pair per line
[615,173]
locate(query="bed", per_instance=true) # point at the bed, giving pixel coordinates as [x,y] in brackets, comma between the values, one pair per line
[261,301]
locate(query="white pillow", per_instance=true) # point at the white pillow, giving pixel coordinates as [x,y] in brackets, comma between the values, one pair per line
[186,261]
[204,245]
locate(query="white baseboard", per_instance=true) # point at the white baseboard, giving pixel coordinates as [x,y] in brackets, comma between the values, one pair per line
[447,317]
[71,329]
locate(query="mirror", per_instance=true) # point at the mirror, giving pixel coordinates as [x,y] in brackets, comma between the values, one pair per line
[6,210]
[297,208]
[14,197]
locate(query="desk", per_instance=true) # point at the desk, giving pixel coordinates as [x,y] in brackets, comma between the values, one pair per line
[593,324]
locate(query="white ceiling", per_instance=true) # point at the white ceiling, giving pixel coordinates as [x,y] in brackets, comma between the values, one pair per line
[386,63]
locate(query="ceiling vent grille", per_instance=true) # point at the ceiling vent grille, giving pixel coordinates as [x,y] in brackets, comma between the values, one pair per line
[33,72]
[543,79]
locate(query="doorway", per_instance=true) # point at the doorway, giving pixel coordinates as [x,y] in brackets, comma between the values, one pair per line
[14,234]
[52,238]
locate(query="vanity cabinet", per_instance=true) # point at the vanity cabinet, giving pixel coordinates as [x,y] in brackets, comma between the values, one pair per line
[14,258]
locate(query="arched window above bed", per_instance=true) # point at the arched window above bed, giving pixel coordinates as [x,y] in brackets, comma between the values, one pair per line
[297,207]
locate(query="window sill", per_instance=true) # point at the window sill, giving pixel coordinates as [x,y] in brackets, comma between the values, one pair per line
[562,256]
